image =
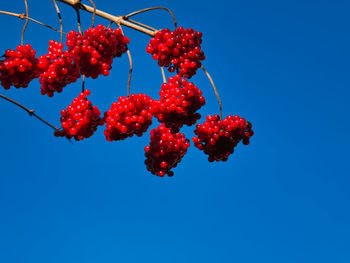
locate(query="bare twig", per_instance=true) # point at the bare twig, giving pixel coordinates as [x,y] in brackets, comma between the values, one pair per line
[26,23]
[110,24]
[23,16]
[83,84]
[31,112]
[130,62]
[59,18]
[163,74]
[94,13]
[78,18]
[215,90]
[152,8]
[115,19]
[143,25]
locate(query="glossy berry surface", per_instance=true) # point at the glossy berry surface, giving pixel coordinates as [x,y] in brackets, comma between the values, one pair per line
[178,50]
[128,116]
[95,49]
[165,150]
[218,138]
[80,120]
[59,70]
[179,102]
[19,67]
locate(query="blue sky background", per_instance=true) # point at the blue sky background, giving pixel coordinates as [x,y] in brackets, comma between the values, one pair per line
[283,65]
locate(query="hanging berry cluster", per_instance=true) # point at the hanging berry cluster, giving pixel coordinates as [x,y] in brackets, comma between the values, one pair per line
[91,54]
[95,49]
[178,50]
[19,67]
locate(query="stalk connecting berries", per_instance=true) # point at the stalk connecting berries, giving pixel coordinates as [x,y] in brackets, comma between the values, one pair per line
[218,138]
[95,49]
[128,116]
[165,150]
[178,104]
[19,67]
[81,119]
[177,50]
[59,69]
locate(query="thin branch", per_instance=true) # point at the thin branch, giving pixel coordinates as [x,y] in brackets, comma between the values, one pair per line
[78,18]
[83,84]
[143,25]
[215,90]
[152,8]
[23,16]
[59,18]
[26,23]
[115,19]
[94,13]
[163,74]
[130,62]
[110,24]
[31,112]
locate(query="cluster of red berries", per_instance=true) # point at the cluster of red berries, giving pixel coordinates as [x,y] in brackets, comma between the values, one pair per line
[81,119]
[218,138]
[92,54]
[19,67]
[59,69]
[95,49]
[179,101]
[165,150]
[128,116]
[178,50]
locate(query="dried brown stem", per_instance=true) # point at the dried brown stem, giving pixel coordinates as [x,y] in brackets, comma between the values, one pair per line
[83,84]
[163,74]
[78,18]
[26,23]
[94,13]
[115,19]
[143,25]
[23,16]
[215,90]
[130,62]
[152,8]
[110,24]
[31,112]
[59,18]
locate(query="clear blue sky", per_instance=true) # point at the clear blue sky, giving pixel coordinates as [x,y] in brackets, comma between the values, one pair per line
[283,65]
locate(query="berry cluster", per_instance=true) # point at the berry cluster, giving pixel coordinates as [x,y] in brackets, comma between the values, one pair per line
[218,138]
[59,69]
[179,101]
[19,67]
[95,49]
[128,116]
[165,150]
[81,119]
[178,50]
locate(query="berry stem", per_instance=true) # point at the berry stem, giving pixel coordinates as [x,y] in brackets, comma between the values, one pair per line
[215,90]
[78,20]
[115,19]
[83,84]
[143,25]
[23,16]
[94,12]
[59,18]
[163,74]
[130,62]
[152,8]
[31,112]
[26,23]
